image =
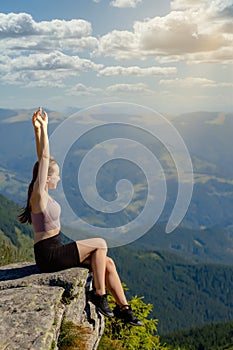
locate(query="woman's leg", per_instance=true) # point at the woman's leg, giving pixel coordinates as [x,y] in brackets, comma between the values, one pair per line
[113,283]
[103,267]
[104,271]
[96,249]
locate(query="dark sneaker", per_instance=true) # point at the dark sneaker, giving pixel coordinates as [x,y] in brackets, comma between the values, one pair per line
[127,315]
[101,303]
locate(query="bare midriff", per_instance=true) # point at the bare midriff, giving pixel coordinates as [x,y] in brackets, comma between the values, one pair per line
[39,236]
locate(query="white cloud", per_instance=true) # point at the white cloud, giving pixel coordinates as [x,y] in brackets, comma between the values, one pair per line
[41,79]
[184,4]
[53,61]
[83,90]
[46,53]
[180,35]
[4,63]
[19,32]
[22,24]
[214,7]
[38,69]
[193,82]
[128,88]
[12,25]
[34,51]
[24,44]
[176,33]
[125,3]
[34,78]
[224,55]
[137,71]
[119,44]
[75,28]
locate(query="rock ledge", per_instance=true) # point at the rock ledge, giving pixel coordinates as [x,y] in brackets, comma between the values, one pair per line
[34,305]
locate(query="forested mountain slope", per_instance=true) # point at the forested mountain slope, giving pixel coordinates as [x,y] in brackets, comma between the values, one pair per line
[184,294]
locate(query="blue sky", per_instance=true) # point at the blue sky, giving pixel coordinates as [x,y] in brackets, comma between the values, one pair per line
[172,56]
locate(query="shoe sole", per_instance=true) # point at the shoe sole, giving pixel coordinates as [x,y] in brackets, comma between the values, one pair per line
[104,313]
[125,321]
[128,322]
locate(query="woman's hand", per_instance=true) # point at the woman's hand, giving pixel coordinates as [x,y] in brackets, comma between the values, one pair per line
[35,122]
[39,120]
[40,123]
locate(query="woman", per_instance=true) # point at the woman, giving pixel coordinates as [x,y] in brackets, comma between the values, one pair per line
[50,254]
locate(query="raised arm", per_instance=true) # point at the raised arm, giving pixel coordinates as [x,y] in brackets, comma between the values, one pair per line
[40,123]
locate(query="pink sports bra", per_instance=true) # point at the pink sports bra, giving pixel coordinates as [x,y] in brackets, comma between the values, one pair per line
[49,219]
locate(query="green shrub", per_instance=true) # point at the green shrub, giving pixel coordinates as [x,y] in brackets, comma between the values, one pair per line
[118,335]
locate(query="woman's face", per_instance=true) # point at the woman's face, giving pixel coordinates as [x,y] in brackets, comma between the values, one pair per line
[53,178]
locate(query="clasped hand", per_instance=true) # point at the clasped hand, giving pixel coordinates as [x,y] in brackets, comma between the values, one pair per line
[39,119]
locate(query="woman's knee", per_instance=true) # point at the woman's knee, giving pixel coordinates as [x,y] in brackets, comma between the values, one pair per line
[110,265]
[93,243]
[101,243]
[89,246]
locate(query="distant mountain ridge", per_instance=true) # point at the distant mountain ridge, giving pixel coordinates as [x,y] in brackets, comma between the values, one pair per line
[210,245]
[208,139]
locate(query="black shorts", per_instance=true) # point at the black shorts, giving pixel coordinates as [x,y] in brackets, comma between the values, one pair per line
[52,255]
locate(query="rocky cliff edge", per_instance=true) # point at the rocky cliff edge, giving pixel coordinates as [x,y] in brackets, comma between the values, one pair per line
[35,308]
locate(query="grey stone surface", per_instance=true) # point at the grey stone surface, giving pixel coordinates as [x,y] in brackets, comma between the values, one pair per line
[33,306]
